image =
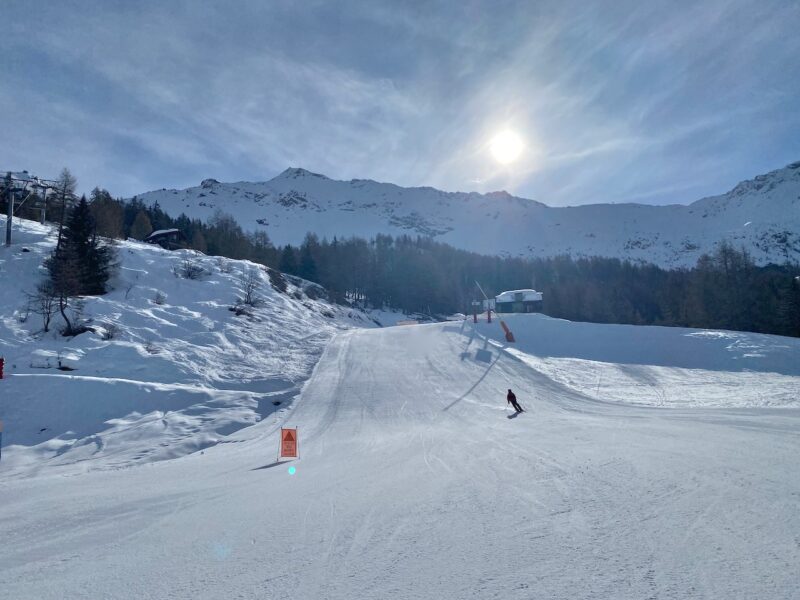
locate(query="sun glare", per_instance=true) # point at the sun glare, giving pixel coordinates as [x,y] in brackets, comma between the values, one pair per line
[506,147]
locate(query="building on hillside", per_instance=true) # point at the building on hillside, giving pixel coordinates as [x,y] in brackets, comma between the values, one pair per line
[171,239]
[518,301]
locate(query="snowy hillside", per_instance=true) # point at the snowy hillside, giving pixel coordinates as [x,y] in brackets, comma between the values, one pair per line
[635,473]
[762,214]
[183,372]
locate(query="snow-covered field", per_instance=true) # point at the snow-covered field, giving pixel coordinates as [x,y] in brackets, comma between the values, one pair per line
[181,373]
[651,462]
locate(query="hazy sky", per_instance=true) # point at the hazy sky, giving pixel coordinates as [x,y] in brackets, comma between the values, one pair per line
[616,101]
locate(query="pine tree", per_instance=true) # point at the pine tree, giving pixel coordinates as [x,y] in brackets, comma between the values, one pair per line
[107,213]
[288,262]
[199,241]
[141,227]
[262,249]
[308,266]
[789,307]
[82,264]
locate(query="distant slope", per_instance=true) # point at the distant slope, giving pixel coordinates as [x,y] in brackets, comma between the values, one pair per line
[762,215]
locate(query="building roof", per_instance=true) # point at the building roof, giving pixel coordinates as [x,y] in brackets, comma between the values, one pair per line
[511,296]
[161,232]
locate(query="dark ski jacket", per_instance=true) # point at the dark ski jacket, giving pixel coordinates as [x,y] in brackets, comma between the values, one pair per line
[511,397]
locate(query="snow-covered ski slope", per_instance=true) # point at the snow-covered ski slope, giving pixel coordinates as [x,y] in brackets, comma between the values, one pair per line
[762,215]
[413,482]
[181,372]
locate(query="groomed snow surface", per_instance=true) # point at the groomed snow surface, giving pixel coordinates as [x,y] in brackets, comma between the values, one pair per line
[651,463]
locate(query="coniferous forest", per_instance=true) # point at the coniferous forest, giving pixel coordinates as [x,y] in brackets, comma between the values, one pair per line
[419,275]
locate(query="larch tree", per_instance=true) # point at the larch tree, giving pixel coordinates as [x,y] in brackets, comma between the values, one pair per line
[141,227]
[66,184]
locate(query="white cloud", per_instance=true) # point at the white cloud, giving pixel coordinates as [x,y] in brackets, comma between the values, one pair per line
[615,100]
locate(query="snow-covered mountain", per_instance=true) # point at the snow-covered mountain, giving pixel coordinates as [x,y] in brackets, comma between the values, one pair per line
[762,214]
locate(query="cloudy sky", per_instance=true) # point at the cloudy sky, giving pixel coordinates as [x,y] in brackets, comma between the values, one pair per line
[615,101]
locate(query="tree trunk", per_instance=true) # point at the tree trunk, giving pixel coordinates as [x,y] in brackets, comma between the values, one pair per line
[62,307]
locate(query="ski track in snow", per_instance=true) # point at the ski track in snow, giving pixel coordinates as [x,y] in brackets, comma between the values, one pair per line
[412,483]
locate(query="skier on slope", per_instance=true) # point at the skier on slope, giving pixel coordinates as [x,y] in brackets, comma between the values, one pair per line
[512,400]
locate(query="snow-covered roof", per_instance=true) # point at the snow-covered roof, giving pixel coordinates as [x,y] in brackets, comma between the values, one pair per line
[512,296]
[161,232]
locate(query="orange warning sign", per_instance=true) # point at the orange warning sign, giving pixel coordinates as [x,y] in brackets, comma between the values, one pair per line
[288,443]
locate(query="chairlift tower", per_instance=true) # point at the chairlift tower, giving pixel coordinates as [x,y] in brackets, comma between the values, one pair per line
[26,186]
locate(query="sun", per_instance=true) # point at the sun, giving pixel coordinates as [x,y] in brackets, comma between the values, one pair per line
[506,147]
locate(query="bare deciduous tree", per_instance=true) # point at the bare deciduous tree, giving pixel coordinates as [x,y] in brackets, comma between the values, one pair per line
[66,186]
[189,269]
[44,302]
[251,282]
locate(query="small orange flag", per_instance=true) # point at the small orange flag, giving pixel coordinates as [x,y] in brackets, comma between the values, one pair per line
[288,443]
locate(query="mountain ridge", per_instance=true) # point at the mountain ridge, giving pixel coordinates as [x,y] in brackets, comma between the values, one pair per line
[760,214]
